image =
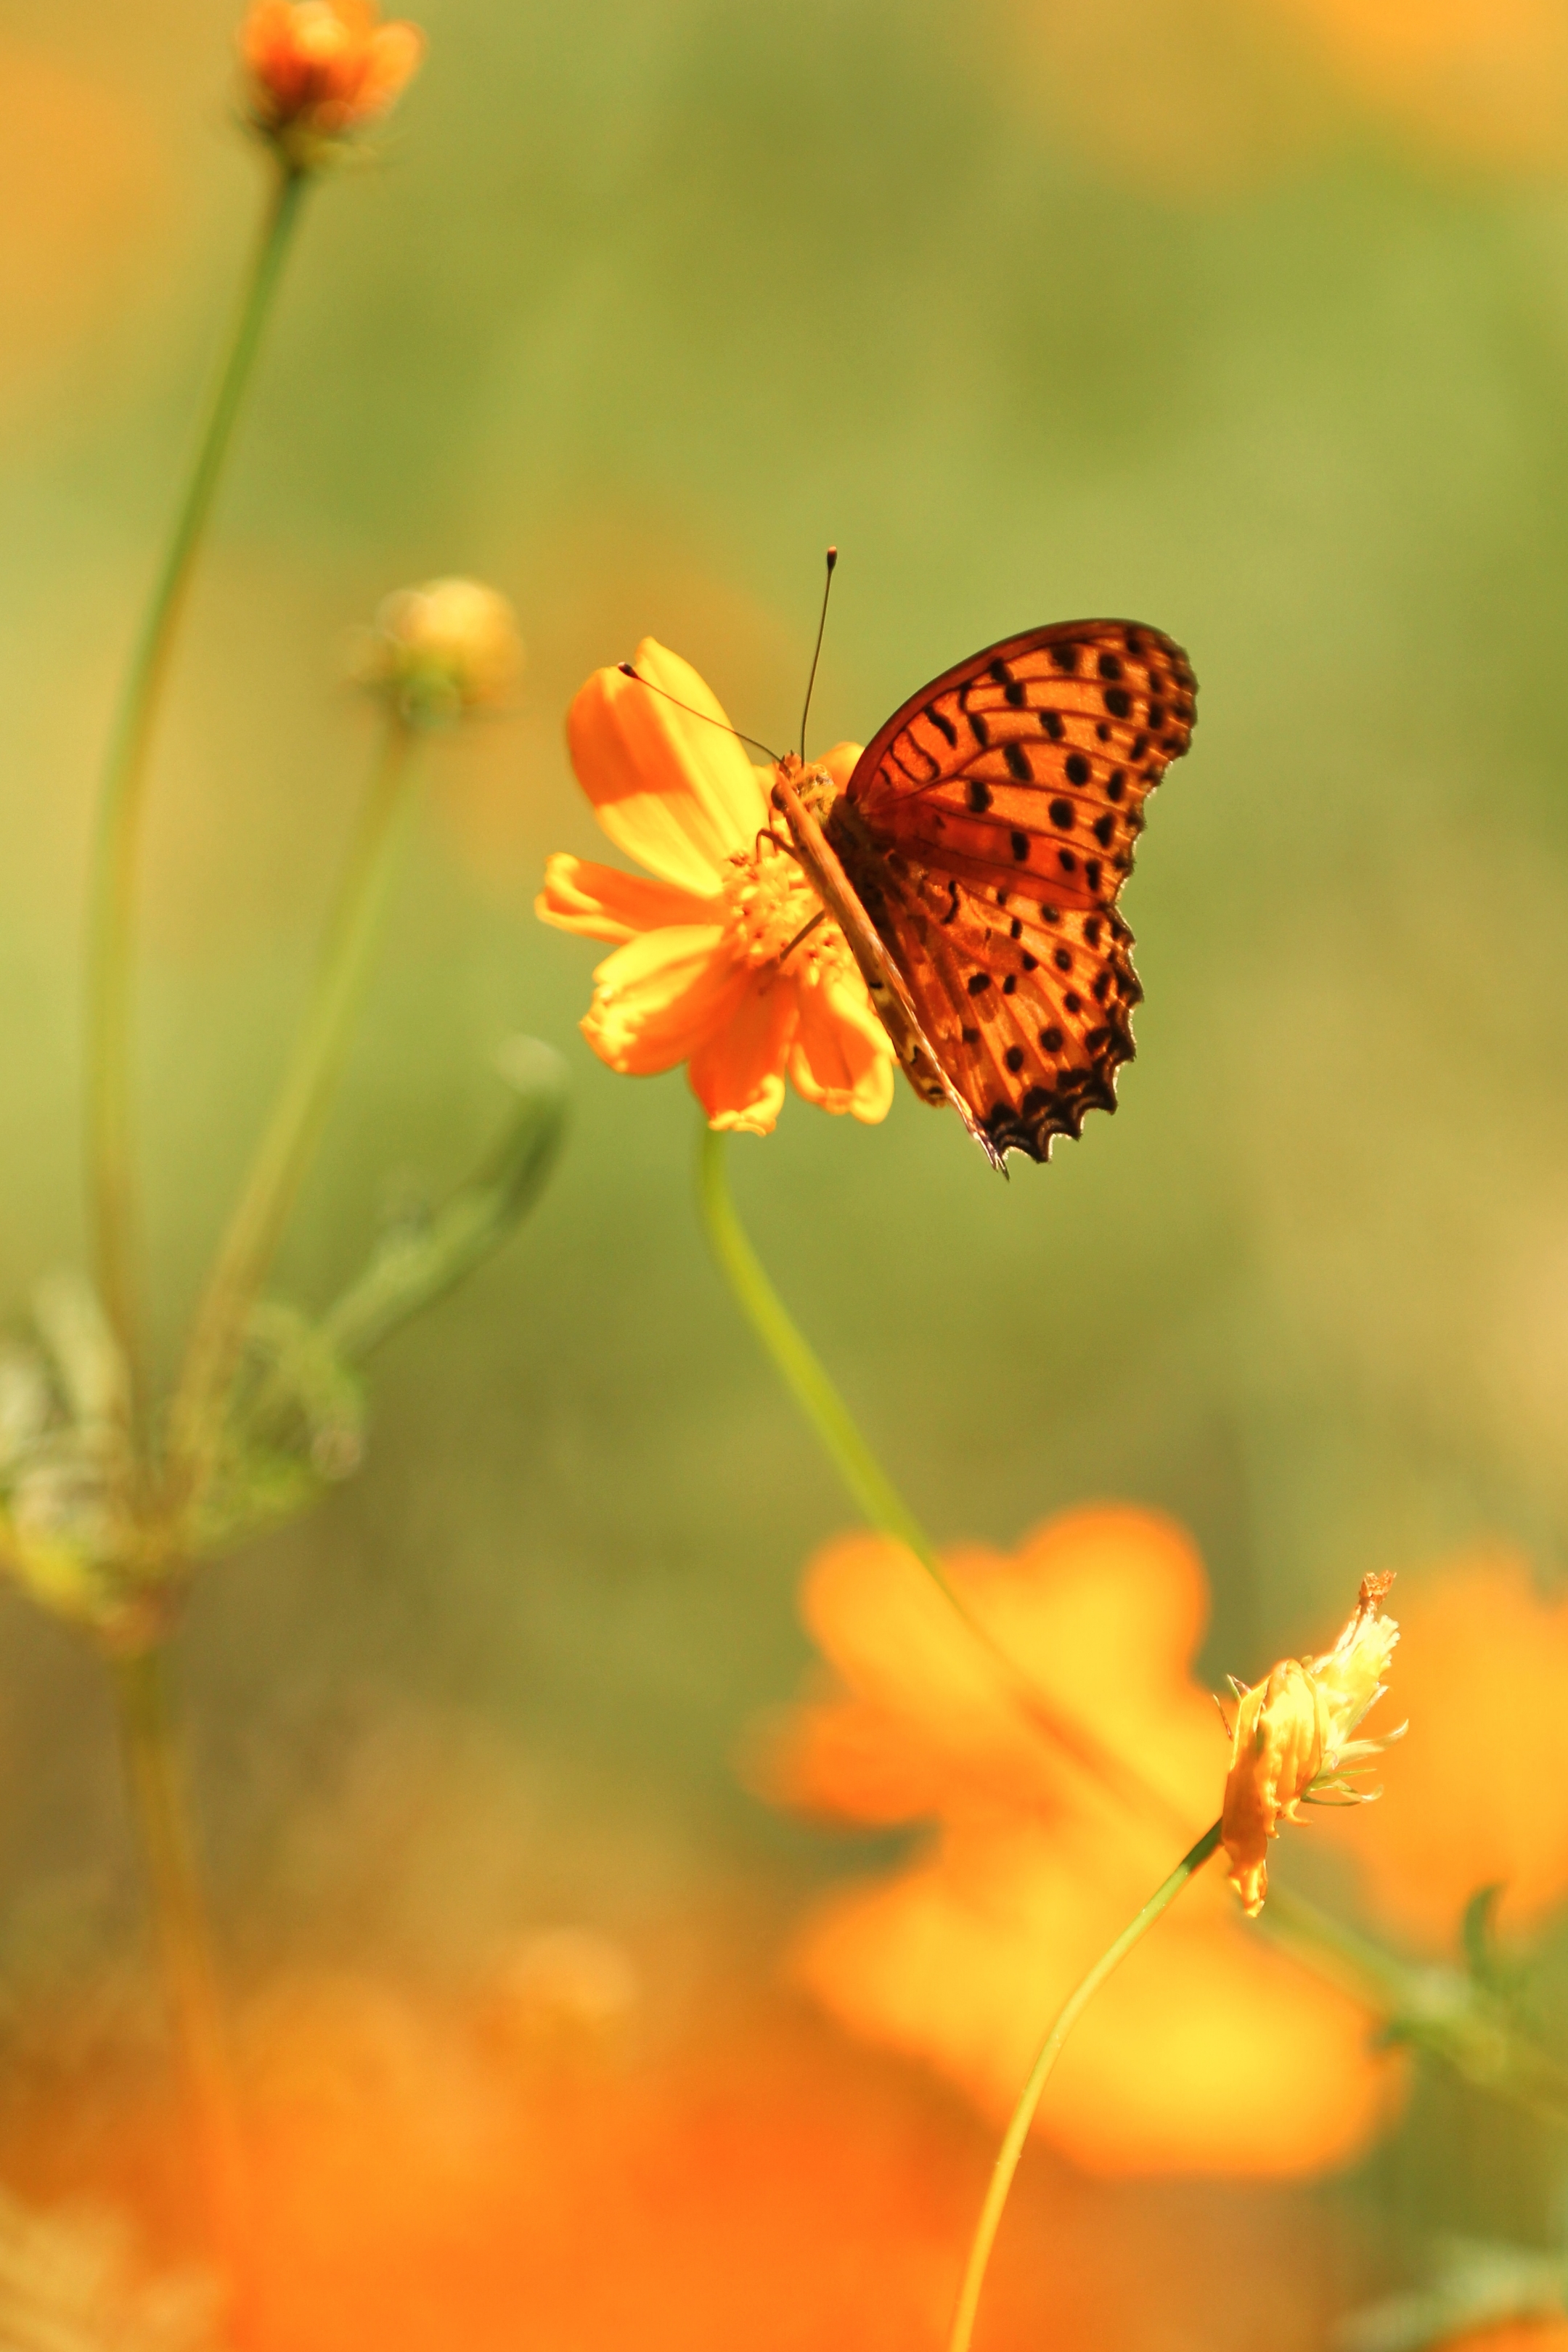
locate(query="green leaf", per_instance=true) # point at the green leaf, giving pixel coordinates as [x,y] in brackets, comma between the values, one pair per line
[297,1415]
[1475,2283]
[417,1264]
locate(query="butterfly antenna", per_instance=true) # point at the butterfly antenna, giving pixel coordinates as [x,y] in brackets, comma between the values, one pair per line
[691,710]
[817,653]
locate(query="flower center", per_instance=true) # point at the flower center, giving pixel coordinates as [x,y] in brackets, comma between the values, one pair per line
[771,903]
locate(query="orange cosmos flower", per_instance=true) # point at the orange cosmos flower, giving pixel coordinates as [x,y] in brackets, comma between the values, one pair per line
[1293,1744]
[1513,2335]
[424,2180]
[1209,2051]
[1487,1650]
[319,68]
[724,961]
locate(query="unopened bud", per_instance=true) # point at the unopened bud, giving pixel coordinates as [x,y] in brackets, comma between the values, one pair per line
[317,69]
[440,651]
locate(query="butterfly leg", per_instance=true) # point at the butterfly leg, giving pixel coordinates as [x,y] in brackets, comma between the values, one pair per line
[820,917]
[779,840]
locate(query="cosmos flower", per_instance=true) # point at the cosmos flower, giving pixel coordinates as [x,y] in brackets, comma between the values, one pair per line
[317,69]
[1208,2050]
[427,2176]
[1481,1798]
[1294,1745]
[724,959]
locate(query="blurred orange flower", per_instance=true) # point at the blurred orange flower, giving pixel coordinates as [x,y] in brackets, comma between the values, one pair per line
[1487,79]
[711,967]
[1293,1744]
[1213,98]
[426,2183]
[1513,2335]
[1208,2050]
[319,68]
[1483,1648]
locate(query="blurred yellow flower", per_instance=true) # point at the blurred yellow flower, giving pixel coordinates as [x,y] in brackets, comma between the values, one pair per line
[317,69]
[1208,2050]
[725,960]
[442,650]
[1293,1744]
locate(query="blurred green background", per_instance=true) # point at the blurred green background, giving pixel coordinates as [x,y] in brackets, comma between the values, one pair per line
[1249,320]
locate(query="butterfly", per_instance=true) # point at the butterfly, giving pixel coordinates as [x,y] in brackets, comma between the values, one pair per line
[975,858]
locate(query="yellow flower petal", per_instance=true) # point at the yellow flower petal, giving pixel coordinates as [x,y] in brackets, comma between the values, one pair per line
[677,793]
[737,1076]
[606,904]
[658,1000]
[842,1058]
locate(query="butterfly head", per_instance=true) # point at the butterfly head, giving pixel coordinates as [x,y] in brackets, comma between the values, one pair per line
[812,782]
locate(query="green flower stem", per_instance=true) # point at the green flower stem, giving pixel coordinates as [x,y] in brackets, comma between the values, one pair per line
[802,1374]
[294,1125]
[111,917]
[874,1493]
[156,1781]
[1018,2131]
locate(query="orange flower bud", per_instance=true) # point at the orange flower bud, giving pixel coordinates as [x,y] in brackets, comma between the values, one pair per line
[317,69]
[1294,1746]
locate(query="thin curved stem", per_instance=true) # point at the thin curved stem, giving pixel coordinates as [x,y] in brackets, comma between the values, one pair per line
[112,916]
[155,1774]
[801,1370]
[295,1121]
[1018,2131]
[873,1491]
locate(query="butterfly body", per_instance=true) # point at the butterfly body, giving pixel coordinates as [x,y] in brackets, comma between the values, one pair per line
[975,858]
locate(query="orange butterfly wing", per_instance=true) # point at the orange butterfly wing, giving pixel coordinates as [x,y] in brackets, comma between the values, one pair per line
[988,830]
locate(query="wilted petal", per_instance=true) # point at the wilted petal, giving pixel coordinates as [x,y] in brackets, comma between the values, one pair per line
[603,903]
[675,791]
[1278,1750]
[1293,1735]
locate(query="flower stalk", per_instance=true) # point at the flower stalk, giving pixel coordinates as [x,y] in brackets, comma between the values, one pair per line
[155,1778]
[801,1370]
[1017,2132]
[111,931]
[294,1124]
[874,1494]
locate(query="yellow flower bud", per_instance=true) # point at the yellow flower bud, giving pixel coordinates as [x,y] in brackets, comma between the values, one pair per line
[440,651]
[1293,1741]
